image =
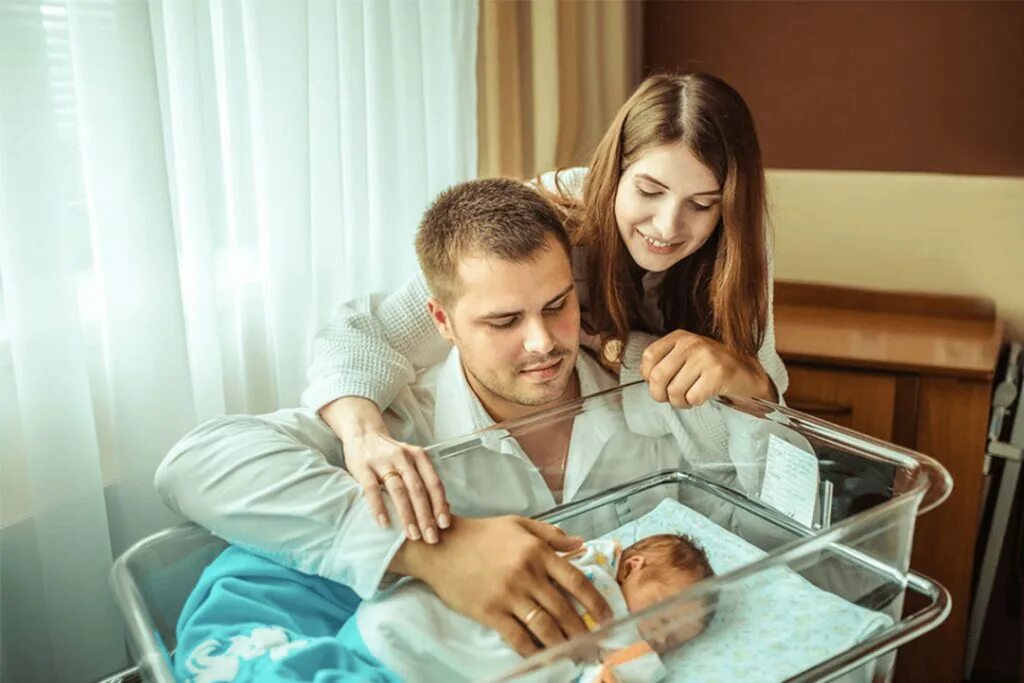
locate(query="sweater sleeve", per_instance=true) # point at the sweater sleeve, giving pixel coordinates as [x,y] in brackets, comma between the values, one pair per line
[374,346]
[767,355]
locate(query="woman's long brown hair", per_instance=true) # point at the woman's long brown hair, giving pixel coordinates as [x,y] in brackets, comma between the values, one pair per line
[721,290]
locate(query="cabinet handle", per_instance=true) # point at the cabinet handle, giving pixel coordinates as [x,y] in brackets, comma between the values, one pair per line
[819,407]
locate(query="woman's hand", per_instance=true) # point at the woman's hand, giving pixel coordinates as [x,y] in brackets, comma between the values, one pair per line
[686,369]
[376,460]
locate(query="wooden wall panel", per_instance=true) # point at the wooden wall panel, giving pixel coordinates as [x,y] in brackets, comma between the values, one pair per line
[888,86]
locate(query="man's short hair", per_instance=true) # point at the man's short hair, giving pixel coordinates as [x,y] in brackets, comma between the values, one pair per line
[493,217]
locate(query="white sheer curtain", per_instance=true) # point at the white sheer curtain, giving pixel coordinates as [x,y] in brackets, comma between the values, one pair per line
[186,189]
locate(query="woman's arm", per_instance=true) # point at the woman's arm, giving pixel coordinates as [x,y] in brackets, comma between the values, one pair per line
[686,369]
[373,348]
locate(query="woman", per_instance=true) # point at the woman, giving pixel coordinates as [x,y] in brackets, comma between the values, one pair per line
[669,231]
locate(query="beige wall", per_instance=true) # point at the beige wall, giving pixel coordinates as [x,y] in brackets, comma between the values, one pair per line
[903,231]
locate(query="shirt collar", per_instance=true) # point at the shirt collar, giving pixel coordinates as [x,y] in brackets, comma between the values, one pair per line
[458,412]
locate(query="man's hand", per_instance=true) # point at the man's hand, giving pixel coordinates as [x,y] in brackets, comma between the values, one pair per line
[505,573]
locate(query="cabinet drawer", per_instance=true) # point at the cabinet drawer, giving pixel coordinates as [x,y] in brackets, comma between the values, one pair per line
[863,401]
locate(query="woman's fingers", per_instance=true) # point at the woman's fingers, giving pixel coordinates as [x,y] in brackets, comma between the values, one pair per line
[666,378]
[681,388]
[408,475]
[368,479]
[687,370]
[653,354]
[416,491]
[701,390]
[435,487]
[393,481]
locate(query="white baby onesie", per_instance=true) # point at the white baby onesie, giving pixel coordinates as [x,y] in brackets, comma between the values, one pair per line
[626,658]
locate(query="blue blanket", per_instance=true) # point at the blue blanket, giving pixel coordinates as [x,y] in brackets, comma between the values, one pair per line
[250,619]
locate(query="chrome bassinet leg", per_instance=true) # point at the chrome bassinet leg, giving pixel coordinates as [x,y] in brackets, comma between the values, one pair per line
[1009,391]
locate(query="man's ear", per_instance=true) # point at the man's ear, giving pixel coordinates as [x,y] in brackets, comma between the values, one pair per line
[632,564]
[441,320]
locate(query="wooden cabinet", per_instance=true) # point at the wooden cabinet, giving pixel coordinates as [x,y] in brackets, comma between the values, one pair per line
[915,370]
[864,401]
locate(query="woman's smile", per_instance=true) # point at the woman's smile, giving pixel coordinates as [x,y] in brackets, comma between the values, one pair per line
[656,246]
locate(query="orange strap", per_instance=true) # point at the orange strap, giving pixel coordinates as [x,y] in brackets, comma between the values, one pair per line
[628,654]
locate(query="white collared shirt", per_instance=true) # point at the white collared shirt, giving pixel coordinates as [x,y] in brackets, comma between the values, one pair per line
[464,414]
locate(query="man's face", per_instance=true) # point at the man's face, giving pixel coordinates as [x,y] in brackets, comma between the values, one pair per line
[517,327]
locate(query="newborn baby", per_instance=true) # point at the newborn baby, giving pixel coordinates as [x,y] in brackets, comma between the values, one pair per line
[419,638]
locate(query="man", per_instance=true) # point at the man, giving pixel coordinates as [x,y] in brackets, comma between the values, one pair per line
[497,263]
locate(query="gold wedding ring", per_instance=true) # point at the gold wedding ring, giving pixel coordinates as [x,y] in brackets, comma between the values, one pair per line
[387,475]
[531,614]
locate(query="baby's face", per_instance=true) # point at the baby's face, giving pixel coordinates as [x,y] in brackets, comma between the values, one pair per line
[643,591]
[664,631]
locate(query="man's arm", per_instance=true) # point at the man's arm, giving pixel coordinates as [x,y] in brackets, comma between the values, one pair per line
[273,484]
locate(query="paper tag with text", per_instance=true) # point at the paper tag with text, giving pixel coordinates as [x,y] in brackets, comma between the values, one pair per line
[790,480]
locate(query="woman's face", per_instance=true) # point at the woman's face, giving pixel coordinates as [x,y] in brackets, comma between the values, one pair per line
[667,205]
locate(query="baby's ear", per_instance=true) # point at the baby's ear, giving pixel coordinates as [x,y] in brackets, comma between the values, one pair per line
[630,565]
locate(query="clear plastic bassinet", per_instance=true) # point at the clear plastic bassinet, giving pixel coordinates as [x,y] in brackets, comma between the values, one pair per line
[788,578]
[842,564]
